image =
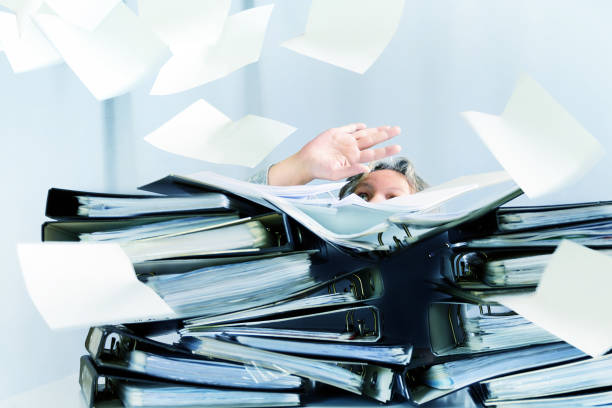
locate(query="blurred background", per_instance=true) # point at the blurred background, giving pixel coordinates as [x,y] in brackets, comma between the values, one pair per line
[447,56]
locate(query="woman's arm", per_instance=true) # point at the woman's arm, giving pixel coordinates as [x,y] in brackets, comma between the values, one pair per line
[334,154]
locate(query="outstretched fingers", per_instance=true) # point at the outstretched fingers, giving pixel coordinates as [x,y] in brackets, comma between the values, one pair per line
[377,154]
[353,127]
[367,138]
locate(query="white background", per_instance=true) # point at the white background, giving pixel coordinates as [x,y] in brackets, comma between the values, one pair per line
[446,57]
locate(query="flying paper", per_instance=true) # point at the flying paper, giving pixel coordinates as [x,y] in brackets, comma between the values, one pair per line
[23,9]
[86,14]
[240,44]
[112,59]
[539,143]
[572,300]
[202,132]
[80,284]
[29,51]
[350,34]
[186,26]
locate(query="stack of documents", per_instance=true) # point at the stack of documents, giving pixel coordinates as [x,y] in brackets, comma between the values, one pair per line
[264,293]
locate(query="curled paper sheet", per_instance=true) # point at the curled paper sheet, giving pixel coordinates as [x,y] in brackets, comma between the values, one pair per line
[28,51]
[240,44]
[80,284]
[112,59]
[537,141]
[186,26]
[86,14]
[350,34]
[572,300]
[203,132]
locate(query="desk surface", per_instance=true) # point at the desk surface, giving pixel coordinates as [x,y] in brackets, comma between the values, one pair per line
[65,393]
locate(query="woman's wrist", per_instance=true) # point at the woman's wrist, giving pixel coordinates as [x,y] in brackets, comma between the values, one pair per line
[292,171]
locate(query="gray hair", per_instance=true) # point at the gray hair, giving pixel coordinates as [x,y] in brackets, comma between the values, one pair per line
[400,164]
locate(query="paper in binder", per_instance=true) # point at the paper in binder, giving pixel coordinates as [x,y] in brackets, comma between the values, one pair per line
[462,328]
[363,379]
[348,334]
[427,383]
[587,374]
[117,348]
[491,269]
[65,204]
[100,386]
[349,325]
[524,218]
[354,287]
[593,234]
[157,238]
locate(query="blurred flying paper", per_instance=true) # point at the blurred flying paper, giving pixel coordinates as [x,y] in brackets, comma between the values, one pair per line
[187,25]
[113,58]
[86,14]
[572,300]
[81,284]
[239,45]
[350,34]
[29,51]
[23,9]
[539,143]
[202,132]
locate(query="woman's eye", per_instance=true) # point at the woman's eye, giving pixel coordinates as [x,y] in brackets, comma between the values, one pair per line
[363,196]
[390,196]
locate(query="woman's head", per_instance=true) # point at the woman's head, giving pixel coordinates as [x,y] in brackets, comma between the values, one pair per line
[386,179]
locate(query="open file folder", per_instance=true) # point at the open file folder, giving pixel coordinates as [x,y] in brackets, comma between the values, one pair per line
[385,229]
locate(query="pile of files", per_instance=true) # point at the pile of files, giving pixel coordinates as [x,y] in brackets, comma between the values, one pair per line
[260,318]
[265,305]
[506,359]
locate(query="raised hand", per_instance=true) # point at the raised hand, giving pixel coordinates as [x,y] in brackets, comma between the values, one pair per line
[335,154]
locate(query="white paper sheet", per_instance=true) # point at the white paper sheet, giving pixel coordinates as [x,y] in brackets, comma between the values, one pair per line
[80,284]
[24,9]
[539,143]
[240,45]
[480,180]
[573,299]
[186,26]
[350,34]
[112,59]
[28,51]
[86,14]
[203,132]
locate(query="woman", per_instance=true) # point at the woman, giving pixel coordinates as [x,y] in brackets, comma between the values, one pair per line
[340,152]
